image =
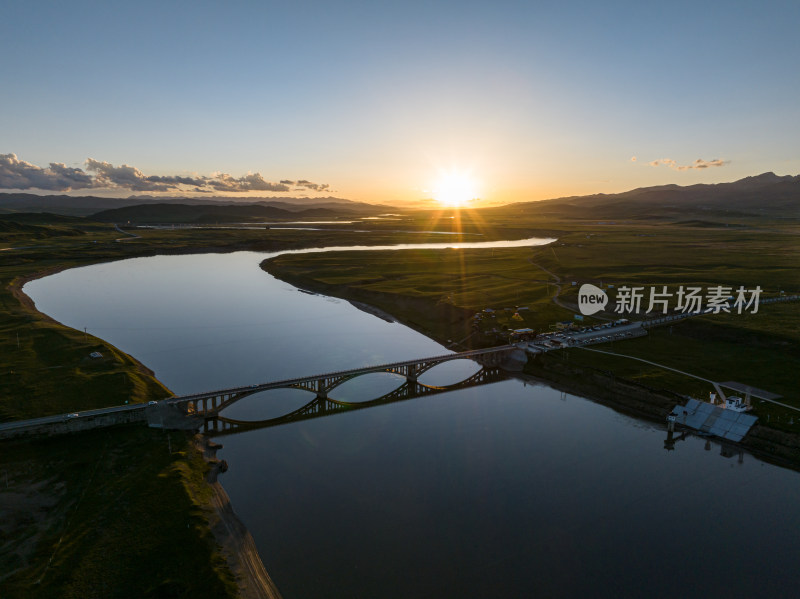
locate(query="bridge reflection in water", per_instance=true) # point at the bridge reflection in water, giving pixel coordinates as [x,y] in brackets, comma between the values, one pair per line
[322,405]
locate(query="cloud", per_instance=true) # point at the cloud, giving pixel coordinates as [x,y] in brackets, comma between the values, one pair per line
[250,182]
[315,186]
[303,184]
[127,177]
[697,164]
[176,180]
[17,174]
[668,161]
[700,163]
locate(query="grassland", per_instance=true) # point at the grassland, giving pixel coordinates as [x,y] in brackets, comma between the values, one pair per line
[108,513]
[440,291]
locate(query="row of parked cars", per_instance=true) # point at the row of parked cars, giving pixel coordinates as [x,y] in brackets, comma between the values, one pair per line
[580,337]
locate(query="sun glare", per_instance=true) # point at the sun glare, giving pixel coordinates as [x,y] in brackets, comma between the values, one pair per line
[455,189]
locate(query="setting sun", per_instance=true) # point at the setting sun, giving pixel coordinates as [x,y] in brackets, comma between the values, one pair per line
[455,189]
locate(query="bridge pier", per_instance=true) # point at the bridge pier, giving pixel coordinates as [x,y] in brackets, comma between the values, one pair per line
[321,392]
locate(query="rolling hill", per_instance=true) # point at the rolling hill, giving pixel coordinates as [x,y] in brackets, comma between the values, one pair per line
[207,213]
[765,195]
[87,205]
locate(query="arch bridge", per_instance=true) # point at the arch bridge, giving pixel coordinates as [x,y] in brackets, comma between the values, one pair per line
[210,404]
[320,407]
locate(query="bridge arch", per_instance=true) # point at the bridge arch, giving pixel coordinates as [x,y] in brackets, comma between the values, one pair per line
[324,406]
[210,404]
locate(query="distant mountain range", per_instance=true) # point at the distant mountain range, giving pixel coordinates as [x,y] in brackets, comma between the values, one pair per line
[767,195]
[88,205]
[210,213]
[764,195]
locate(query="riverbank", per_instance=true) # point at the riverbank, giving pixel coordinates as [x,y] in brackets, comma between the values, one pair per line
[117,512]
[46,369]
[16,288]
[242,562]
[441,321]
[237,543]
[653,404]
[413,288]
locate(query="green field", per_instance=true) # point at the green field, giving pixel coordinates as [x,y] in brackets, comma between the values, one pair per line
[108,513]
[440,291]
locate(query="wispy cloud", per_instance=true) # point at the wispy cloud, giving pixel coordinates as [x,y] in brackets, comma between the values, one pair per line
[668,161]
[250,182]
[697,164]
[18,174]
[303,184]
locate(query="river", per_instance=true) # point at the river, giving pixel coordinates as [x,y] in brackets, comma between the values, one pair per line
[503,490]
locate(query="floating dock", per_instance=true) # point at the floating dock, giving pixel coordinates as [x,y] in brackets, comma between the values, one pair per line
[714,420]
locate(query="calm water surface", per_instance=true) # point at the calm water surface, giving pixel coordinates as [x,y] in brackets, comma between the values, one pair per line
[504,490]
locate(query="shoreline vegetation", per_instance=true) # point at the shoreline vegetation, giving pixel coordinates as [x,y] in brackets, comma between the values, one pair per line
[237,543]
[38,551]
[560,370]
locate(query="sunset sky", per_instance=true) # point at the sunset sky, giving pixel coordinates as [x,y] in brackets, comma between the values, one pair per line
[376,101]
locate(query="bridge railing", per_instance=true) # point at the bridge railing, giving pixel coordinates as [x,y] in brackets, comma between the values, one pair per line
[337,373]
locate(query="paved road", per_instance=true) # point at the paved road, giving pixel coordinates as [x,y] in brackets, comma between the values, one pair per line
[58,418]
[130,235]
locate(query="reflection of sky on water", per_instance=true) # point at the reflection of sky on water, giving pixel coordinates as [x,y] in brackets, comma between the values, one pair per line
[492,491]
[368,387]
[217,320]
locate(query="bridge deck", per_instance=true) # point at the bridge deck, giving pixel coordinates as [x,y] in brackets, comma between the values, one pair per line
[339,373]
